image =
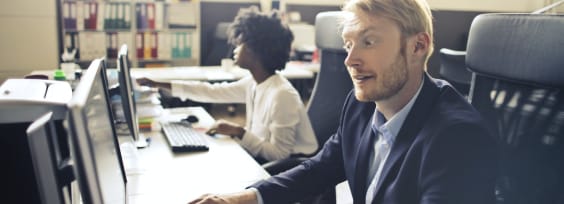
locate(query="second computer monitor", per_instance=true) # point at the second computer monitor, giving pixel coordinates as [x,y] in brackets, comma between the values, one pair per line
[128,96]
[98,163]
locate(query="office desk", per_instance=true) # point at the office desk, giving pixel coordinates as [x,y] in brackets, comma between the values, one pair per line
[157,175]
[211,73]
[293,70]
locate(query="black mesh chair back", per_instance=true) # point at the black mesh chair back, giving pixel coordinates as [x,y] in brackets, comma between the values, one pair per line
[518,65]
[333,82]
[453,69]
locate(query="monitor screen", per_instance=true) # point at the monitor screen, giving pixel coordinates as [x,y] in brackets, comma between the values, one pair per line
[128,97]
[49,168]
[98,163]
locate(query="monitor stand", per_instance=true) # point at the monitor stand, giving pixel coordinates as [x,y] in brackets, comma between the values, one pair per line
[142,142]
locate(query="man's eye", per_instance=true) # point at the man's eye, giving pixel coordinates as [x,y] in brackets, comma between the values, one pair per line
[347,47]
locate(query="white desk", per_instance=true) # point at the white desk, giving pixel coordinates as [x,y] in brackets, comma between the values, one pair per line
[157,175]
[211,73]
[293,70]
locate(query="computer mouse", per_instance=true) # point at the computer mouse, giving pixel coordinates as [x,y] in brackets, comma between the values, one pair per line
[191,118]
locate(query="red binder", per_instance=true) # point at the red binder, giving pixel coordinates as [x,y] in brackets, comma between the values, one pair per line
[154,45]
[93,15]
[139,45]
[151,15]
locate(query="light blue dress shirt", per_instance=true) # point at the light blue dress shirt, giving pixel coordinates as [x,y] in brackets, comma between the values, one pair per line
[386,132]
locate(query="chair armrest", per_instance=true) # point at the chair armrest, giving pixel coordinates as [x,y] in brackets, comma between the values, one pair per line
[281,165]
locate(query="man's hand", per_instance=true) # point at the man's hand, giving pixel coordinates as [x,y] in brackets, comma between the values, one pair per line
[227,128]
[243,197]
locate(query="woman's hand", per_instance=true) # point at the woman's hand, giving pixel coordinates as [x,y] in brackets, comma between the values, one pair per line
[227,128]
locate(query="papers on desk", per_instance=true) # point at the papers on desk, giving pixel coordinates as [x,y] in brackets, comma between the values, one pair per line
[147,103]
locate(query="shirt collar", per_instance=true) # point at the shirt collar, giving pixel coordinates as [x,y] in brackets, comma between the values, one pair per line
[390,129]
[263,85]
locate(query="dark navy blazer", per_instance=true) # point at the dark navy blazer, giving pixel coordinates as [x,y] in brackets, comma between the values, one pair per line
[443,154]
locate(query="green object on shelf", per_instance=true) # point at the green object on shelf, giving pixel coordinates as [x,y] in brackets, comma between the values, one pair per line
[59,75]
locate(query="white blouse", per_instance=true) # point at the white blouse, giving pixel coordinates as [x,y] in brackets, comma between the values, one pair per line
[277,123]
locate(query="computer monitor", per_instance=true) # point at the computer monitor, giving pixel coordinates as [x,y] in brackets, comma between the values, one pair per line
[128,97]
[23,101]
[98,165]
[53,172]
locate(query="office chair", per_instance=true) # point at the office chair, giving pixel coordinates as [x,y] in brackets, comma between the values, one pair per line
[517,85]
[220,48]
[332,85]
[453,69]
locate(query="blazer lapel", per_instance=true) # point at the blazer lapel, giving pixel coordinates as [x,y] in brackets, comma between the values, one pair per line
[363,154]
[411,126]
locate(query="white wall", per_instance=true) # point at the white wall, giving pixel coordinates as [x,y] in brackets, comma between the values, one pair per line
[462,5]
[488,5]
[28,37]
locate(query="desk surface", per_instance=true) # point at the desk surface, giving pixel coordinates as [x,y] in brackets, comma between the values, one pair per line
[157,175]
[214,73]
[293,70]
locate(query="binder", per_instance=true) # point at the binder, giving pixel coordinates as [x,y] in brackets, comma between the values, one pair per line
[142,20]
[93,15]
[86,15]
[98,20]
[147,45]
[164,46]
[119,20]
[154,45]
[111,45]
[126,16]
[113,15]
[176,45]
[66,15]
[139,45]
[79,15]
[159,15]
[107,18]
[138,16]
[151,16]
[187,51]
[72,15]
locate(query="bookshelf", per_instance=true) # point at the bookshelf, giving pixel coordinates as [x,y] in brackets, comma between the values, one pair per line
[158,33]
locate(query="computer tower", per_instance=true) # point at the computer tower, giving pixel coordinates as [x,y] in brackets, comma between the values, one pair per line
[22,101]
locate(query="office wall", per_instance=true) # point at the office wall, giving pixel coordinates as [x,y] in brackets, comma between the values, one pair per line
[28,37]
[488,5]
[452,18]
[213,12]
[458,5]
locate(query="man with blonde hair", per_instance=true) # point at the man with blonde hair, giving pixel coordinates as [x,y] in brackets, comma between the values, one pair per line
[403,137]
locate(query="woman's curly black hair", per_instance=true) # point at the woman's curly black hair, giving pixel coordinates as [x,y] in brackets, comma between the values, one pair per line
[265,34]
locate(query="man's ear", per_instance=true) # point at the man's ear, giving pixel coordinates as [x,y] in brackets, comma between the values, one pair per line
[422,42]
[418,46]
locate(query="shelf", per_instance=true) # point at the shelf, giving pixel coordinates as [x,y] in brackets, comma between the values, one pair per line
[151,29]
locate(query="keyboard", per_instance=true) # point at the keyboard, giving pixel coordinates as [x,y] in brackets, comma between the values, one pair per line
[183,138]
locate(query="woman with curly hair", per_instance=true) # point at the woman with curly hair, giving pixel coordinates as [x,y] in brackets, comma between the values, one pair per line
[277,125]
